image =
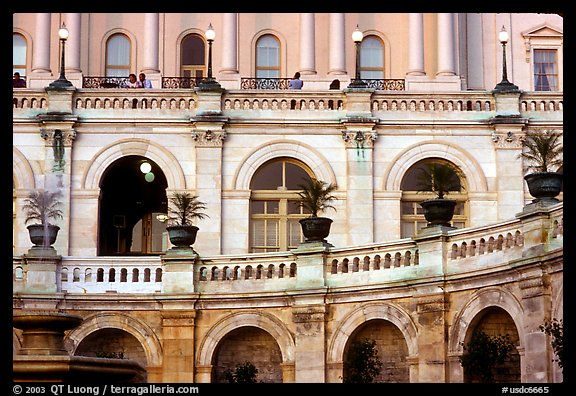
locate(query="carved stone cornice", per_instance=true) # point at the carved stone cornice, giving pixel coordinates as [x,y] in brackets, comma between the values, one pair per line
[209,138]
[359,139]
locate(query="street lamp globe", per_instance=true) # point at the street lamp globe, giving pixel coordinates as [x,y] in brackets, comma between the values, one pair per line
[210,33]
[503,35]
[357,35]
[63,32]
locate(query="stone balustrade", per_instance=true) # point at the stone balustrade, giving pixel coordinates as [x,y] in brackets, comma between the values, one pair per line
[468,251]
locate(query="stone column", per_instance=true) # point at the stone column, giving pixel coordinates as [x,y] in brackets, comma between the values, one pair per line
[307,44]
[309,343]
[73,24]
[178,345]
[415,44]
[41,48]
[151,44]
[337,65]
[230,44]
[446,48]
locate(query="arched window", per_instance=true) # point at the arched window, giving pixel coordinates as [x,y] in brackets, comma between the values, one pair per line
[19,54]
[274,206]
[268,57]
[193,57]
[372,58]
[118,56]
[412,214]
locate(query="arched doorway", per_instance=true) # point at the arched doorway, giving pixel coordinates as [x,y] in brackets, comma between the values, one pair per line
[113,343]
[131,200]
[494,322]
[391,346]
[251,344]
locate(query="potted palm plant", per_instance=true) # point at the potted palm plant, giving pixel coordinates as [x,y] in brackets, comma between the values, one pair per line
[42,206]
[543,152]
[183,209]
[440,179]
[316,196]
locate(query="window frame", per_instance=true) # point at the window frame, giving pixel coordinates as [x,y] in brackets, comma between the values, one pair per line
[108,67]
[284,216]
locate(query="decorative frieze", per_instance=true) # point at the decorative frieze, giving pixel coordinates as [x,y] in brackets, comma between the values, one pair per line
[508,140]
[209,138]
[359,139]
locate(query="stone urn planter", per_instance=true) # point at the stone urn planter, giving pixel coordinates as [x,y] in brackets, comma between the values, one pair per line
[438,211]
[316,228]
[182,236]
[42,206]
[43,235]
[315,197]
[543,151]
[183,209]
[439,178]
[544,186]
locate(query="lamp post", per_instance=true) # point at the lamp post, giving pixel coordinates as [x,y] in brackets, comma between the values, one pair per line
[62,82]
[504,85]
[209,83]
[357,37]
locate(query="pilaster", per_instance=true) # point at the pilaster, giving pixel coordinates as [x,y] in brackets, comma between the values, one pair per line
[209,134]
[507,137]
[178,347]
[359,138]
[59,134]
[309,343]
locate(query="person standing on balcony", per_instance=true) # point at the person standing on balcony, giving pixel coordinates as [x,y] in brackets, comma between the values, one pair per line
[295,83]
[18,82]
[132,81]
[144,83]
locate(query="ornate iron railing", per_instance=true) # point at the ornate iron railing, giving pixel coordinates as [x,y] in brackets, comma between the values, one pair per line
[389,84]
[104,82]
[264,83]
[180,82]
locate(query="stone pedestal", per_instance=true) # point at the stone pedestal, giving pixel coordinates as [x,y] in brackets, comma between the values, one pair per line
[43,263]
[178,270]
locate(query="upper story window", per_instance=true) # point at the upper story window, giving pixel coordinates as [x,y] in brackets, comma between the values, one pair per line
[545,70]
[19,54]
[268,57]
[371,58]
[275,208]
[193,57]
[118,56]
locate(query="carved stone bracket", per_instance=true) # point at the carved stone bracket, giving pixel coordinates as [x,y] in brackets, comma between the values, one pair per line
[508,140]
[65,136]
[209,138]
[359,139]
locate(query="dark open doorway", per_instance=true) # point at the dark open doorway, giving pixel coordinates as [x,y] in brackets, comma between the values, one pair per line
[130,200]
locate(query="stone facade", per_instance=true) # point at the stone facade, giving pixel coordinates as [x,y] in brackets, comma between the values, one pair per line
[188,316]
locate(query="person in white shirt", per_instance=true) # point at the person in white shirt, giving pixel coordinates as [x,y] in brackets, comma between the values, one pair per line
[132,81]
[144,83]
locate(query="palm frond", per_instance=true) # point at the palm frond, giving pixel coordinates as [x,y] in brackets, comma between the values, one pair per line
[316,196]
[440,178]
[184,208]
[543,151]
[42,205]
